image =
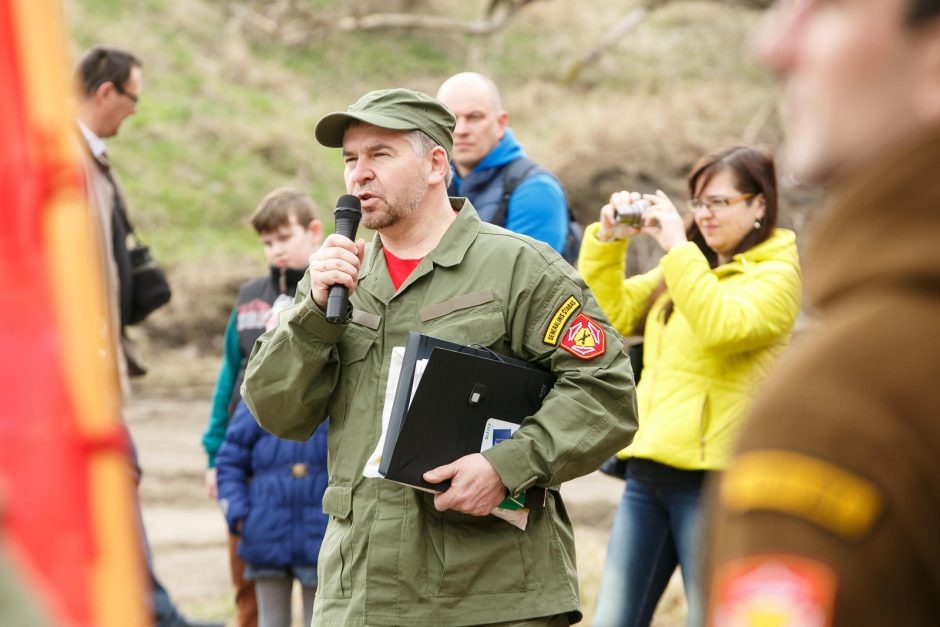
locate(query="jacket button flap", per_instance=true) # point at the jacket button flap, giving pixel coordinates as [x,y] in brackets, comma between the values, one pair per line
[337,501]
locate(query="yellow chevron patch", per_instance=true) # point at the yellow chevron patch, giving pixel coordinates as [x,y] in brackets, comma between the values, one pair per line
[803,487]
[558,320]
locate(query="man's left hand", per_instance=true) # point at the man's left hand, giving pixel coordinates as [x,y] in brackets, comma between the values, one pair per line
[475,486]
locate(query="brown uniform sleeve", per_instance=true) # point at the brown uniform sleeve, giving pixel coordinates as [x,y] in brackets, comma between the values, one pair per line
[832,501]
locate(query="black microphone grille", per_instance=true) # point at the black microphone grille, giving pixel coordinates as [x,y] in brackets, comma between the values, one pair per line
[348,201]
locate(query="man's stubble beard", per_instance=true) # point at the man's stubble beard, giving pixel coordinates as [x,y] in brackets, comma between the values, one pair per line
[397,209]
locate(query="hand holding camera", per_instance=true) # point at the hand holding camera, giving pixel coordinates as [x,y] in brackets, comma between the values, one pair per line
[629,213]
[613,226]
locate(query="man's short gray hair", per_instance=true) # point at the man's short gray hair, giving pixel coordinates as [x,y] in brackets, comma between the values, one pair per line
[423,144]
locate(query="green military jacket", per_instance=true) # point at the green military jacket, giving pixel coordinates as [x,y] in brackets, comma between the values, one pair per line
[389,558]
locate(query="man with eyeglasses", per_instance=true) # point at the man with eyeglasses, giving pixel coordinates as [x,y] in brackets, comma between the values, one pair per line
[108,86]
[830,509]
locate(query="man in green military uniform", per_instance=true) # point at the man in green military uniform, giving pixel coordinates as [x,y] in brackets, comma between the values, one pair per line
[829,512]
[393,555]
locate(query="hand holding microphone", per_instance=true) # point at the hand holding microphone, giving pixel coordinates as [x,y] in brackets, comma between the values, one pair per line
[334,269]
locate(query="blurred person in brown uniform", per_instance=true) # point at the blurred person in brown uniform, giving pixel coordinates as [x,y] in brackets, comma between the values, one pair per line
[830,509]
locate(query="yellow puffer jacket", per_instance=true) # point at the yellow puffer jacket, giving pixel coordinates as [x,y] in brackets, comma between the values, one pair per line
[728,326]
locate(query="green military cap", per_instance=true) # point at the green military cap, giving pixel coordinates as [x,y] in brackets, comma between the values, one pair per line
[394,109]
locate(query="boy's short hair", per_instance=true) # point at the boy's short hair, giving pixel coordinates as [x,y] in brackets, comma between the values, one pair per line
[279,206]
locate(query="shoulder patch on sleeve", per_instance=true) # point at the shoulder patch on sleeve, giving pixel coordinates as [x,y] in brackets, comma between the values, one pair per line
[558,320]
[804,487]
[585,338]
[765,590]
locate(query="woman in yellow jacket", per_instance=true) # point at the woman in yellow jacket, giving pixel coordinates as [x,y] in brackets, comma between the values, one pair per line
[716,312]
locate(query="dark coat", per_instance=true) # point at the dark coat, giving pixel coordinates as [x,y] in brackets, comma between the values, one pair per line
[275,488]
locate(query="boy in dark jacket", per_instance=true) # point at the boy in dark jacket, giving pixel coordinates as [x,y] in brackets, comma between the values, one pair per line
[287,225]
[271,491]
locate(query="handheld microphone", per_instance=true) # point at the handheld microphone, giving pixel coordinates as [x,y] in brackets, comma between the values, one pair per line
[346,216]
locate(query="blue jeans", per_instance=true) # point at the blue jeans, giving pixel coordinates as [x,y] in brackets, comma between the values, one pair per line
[655,529]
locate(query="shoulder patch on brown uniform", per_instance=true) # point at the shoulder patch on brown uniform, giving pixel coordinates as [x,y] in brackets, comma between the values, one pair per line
[558,320]
[804,487]
[762,590]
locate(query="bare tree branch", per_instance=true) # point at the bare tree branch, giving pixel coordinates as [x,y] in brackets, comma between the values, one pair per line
[614,36]
[384,21]
[510,6]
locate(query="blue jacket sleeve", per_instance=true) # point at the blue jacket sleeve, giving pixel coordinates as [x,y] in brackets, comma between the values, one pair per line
[224,385]
[538,208]
[233,464]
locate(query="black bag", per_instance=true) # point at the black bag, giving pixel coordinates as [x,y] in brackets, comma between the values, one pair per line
[150,289]
[143,284]
[615,467]
[141,281]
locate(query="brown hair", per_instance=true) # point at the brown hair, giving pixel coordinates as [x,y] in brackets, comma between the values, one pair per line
[754,172]
[279,206]
[100,65]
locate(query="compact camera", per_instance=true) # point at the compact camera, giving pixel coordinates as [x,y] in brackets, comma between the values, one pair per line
[632,214]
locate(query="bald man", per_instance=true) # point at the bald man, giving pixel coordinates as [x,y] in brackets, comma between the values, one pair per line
[487,161]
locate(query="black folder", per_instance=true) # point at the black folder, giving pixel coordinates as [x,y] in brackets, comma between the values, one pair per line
[461,389]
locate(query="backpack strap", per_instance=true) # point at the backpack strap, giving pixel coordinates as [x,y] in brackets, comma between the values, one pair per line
[513,173]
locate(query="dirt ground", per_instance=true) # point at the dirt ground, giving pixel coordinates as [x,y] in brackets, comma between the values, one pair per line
[167,416]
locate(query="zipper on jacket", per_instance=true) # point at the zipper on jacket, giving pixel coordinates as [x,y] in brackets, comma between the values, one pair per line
[659,352]
[701,429]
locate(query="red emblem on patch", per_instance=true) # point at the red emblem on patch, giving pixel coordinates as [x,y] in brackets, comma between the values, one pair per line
[585,338]
[780,590]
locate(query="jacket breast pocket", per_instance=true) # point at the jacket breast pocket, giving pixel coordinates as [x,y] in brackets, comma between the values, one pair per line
[482,325]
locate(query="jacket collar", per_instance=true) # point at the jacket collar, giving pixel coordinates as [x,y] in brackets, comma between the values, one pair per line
[95,144]
[881,227]
[450,251]
[457,239]
[506,151]
[291,278]
[780,246]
